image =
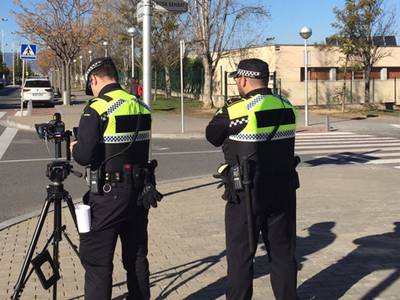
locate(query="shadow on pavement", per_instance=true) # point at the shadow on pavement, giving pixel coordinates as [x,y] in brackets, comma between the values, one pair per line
[373,253]
[320,236]
[343,158]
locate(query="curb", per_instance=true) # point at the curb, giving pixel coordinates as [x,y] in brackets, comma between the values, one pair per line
[13,124]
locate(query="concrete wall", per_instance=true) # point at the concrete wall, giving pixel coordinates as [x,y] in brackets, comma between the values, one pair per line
[287,61]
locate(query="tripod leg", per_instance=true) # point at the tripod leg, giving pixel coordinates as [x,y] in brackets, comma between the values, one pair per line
[22,276]
[71,207]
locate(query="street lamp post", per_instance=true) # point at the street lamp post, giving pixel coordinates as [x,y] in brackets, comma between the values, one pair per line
[305,33]
[90,55]
[75,79]
[105,44]
[81,73]
[131,32]
[2,44]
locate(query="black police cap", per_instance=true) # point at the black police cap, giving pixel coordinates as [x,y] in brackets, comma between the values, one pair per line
[93,65]
[252,68]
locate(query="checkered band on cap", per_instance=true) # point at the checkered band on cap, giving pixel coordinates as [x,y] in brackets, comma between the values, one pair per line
[262,137]
[247,73]
[126,138]
[238,121]
[92,67]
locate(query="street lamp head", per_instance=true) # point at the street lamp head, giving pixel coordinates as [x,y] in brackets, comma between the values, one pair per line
[131,31]
[74,60]
[105,43]
[80,57]
[4,19]
[305,32]
[90,51]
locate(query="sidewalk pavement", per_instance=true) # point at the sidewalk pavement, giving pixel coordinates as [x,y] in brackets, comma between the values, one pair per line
[348,242]
[164,124]
[348,233]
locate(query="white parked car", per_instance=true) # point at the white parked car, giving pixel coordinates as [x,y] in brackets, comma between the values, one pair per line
[38,90]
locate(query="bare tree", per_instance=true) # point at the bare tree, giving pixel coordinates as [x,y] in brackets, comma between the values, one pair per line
[357,24]
[214,24]
[64,26]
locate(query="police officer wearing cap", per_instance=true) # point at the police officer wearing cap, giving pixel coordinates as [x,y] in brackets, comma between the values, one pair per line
[113,142]
[257,134]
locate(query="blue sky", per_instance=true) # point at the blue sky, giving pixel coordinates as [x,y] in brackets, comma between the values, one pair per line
[287,17]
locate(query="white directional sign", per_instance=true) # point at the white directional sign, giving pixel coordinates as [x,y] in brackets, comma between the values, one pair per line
[178,6]
[28,51]
[164,6]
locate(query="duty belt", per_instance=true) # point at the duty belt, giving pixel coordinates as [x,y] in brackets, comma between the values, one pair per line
[130,175]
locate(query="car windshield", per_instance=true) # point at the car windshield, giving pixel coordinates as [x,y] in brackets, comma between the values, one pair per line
[37,83]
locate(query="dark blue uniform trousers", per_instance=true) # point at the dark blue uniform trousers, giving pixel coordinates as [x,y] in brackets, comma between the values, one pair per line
[280,231]
[115,215]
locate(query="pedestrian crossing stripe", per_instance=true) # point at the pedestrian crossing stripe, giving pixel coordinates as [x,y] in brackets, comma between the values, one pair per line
[348,148]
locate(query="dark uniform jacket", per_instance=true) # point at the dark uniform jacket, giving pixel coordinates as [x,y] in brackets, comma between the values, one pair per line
[91,149]
[272,162]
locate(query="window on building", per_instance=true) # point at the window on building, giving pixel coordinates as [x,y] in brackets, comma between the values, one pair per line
[394,72]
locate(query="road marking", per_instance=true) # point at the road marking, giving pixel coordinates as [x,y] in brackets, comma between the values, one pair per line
[25,160]
[155,153]
[355,142]
[347,146]
[339,150]
[375,155]
[187,152]
[396,125]
[6,139]
[397,167]
[340,133]
[2,113]
[383,161]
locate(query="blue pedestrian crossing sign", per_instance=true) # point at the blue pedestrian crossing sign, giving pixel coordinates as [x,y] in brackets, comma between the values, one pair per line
[28,51]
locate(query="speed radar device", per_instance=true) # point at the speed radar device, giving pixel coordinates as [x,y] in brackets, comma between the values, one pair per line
[57,171]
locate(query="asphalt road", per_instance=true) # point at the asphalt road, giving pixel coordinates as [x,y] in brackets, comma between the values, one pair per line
[23,165]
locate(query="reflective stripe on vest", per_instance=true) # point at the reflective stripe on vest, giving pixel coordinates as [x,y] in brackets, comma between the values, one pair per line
[262,113]
[122,104]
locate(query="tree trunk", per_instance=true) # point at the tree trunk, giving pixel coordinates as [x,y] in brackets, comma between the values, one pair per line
[344,84]
[68,82]
[367,86]
[208,88]
[167,82]
[155,85]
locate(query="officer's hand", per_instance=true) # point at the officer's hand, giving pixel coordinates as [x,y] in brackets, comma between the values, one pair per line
[149,196]
[72,145]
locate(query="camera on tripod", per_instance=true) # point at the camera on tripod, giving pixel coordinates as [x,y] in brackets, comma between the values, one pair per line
[57,171]
[53,129]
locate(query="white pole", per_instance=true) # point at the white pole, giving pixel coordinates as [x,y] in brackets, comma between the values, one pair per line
[81,73]
[2,44]
[2,50]
[133,56]
[305,83]
[147,51]
[182,51]
[22,85]
[23,72]
[13,64]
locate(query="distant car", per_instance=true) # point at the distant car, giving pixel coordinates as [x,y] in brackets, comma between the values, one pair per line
[38,90]
[2,83]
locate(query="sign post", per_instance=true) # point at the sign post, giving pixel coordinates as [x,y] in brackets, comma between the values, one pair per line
[182,54]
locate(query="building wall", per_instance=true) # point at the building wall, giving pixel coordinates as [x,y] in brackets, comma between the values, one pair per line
[288,61]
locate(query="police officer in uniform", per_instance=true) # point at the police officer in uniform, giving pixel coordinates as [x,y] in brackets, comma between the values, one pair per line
[258,130]
[113,141]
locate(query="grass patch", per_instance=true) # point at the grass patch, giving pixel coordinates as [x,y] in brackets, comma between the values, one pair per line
[173,105]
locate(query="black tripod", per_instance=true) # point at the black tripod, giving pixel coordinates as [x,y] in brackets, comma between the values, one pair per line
[57,171]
